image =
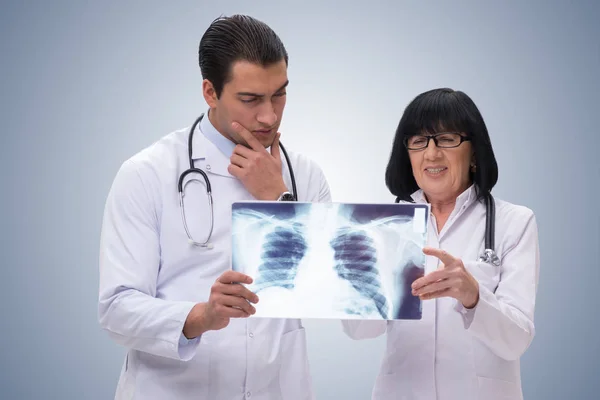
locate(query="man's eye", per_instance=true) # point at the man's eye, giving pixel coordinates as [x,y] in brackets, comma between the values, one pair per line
[248,100]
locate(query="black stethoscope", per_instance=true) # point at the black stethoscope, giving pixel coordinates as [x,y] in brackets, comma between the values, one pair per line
[192,170]
[489,254]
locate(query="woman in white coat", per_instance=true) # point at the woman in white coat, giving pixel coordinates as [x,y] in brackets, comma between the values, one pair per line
[477,318]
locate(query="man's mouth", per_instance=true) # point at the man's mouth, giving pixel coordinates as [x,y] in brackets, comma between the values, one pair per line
[262,132]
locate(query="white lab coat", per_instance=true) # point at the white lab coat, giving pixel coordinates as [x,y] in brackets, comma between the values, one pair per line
[454,353]
[150,278]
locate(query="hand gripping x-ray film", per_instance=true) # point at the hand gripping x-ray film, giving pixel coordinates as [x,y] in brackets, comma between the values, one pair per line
[331,260]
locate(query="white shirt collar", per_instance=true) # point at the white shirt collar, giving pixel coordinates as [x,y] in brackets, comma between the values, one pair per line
[211,133]
[464,199]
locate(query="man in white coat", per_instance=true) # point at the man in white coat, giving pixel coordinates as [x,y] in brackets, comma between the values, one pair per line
[172,304]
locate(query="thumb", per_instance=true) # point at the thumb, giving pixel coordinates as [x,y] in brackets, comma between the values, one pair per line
[275,151]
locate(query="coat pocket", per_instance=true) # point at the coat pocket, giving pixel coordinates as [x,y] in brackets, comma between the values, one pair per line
[485,274]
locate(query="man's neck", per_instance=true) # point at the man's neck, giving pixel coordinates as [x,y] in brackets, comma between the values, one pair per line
[212,117]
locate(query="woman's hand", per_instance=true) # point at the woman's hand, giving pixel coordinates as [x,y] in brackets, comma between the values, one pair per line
[450,280]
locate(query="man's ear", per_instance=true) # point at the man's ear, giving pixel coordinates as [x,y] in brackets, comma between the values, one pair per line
[209,93]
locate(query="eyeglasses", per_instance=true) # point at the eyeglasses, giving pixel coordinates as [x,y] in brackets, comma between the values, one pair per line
[444,140]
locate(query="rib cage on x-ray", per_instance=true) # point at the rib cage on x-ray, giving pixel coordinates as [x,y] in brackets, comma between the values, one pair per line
[283,249]
[333,263]
[355,261]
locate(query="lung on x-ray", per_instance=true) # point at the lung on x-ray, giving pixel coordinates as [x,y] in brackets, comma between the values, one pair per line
[331,260]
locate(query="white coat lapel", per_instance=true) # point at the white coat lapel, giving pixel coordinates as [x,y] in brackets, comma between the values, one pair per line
[216,162]
[208,157]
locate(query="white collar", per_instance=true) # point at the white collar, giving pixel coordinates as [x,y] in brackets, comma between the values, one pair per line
[463,200]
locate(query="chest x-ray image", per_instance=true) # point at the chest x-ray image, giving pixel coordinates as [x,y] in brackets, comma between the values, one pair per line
[331,260]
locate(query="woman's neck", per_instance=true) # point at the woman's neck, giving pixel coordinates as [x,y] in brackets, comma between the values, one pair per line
[441,210]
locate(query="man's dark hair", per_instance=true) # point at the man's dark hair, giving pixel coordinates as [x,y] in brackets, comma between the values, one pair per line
[237,38]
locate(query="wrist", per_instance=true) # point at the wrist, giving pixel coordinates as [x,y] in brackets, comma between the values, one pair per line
[195,323]
[472,302]
[276,194]
[471,305]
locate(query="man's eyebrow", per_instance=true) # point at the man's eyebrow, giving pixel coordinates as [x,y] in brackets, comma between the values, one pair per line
[283,86]
[262,95]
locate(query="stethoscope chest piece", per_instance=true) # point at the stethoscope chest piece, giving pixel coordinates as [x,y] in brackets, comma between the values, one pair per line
[489,256]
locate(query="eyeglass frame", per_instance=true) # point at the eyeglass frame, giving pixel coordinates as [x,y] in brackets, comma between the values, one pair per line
[434,137]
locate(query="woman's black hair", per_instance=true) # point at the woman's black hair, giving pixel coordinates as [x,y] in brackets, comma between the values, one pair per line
[435,111]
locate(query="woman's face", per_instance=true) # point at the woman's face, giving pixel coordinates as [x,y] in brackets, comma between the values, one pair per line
[442,173]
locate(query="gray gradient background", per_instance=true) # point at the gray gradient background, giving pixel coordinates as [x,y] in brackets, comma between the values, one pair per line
[86,84]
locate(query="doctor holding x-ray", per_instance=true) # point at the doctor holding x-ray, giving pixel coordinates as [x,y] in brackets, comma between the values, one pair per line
[479,289]
[167,291]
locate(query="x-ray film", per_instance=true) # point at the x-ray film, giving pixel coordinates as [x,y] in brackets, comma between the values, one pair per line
[331,260]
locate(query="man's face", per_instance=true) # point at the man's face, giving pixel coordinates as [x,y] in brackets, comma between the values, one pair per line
[254,97]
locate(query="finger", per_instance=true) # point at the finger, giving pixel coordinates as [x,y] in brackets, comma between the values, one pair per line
[444,256]
[230,312]
[275,150]
[435,287]
[234,276]
[235,171]
[435,295]
[235,313]
[430,278]
[248,137]
[238,160]
[245,152]
[234,289]
[237,302]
